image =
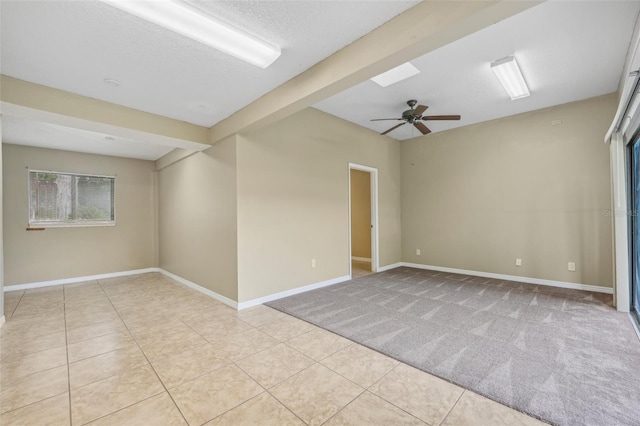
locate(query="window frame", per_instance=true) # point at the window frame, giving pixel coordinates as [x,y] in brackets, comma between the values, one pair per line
[76,224]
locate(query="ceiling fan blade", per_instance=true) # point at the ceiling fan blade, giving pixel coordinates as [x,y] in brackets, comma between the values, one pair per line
[424,129]
[393,128]
[419,109]
[383,119]
[441,117]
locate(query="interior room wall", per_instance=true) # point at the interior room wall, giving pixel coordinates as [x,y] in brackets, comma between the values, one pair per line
[197,218]
[69,252]
[293,201]
[360,214]
[534,186]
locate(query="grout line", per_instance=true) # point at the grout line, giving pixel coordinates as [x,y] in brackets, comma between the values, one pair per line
[123,408]
[452,407]
[145,356]
[281,402]
[346,405]
[66,341]
[386,400]
[31,403]
[17,304]
[233,362]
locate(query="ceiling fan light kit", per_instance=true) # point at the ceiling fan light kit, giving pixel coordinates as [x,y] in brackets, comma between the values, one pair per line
[182,18]
[414,115]
[509,75]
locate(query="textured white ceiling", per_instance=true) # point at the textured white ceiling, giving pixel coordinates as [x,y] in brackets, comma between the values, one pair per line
[75,45]
[21,131]
[567,50]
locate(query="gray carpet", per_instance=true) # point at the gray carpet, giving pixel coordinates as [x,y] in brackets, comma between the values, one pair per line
[564,356]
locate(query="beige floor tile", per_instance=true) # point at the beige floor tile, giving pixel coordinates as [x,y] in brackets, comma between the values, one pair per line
[318,343]
[360,365]
[33,388]
[95,330]
[213,313]
[208,396]
[403,383]
[260,315]
[316,394]
[26,310]
[33,363]
[74,303]
[96,308]
[274,365]
[9,307]
[48,412]
[169,343]
[236,347]
[286,328]
[15,294]
[18,348]
[99,345]
[52,289]
[15,330]
[221,325]
[157,410]
[263,410]
[145,326]
[368,409]
[106,396]
[75,321]
[475,410]
[103,366]
[188,365]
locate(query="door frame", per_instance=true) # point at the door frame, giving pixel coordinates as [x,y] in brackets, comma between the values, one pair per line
[375,263]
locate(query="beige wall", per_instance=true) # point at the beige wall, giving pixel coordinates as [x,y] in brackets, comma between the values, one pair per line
[480,196]
[68,252]
[293,195]
[360,214]
[197,212]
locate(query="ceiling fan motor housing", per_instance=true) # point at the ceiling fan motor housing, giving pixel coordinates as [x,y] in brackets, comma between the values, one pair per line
[408,115]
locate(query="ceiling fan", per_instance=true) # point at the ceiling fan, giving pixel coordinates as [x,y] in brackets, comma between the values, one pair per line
[414,116]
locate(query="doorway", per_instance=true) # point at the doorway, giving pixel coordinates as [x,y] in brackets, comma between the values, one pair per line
[363,220]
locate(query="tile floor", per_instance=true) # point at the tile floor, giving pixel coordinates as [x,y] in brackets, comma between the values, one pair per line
[360,269]
[145,350]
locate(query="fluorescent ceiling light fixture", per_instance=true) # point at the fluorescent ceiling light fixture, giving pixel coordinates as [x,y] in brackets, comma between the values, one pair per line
[198,25]
[396,74]
[510,76]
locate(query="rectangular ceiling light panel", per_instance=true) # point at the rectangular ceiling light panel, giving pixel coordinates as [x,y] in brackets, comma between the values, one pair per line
[195,24]
[508,73]
[396,74]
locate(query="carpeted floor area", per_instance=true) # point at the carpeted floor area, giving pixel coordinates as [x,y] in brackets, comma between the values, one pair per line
[564,356]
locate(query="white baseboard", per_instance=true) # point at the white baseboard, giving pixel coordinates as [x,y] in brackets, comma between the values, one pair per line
[39,284]
[276,296]
[361,259]
[539,281]
[220,298]
[1,321]
[392,266]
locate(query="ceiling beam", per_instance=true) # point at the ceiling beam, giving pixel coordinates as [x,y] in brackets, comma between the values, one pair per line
[419,30]
[34,101]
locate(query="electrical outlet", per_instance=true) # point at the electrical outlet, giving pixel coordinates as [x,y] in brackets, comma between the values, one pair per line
[417,252]
[313,263]
[571,266]
[518,262]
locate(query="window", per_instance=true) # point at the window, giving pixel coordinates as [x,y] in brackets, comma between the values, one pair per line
[67,199]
